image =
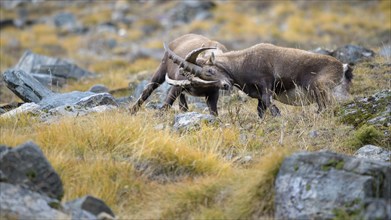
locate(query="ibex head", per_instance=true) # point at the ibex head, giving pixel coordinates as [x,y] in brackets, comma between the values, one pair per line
[201,71]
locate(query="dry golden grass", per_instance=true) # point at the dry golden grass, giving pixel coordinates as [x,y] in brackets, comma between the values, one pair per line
[101,154]
[144,173]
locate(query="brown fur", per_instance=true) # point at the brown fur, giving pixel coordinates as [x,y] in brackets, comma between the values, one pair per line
[182,46]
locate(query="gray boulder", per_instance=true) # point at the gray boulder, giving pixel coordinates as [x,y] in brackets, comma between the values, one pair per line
[191,121]
[376,209]
[98,88]
[90,204]
[67,22]
[30,90]
[352,54]
[320,185]
[374,153]
[26,108]
[25,165]
[17,202]
[31,189]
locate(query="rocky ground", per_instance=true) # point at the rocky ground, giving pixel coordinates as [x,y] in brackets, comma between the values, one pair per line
[70,70]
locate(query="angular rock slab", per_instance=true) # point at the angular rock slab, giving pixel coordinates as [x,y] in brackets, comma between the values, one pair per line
[26,165]
[319,184]
[35,63]
[25,86]
[76,98]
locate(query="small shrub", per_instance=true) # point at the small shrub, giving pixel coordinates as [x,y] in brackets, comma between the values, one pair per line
[366,134]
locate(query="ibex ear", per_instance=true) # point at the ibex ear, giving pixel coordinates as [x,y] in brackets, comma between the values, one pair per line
[212,59]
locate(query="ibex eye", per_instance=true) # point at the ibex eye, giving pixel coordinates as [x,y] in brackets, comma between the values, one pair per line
[210,71]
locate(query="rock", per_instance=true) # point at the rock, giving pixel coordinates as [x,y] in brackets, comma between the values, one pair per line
[15,3]
[31,189]
[187,11]
[73,111]
[376,209]
[65,20]
[98,88]
[17,202]
[27,108]
[90,204]
[191,121]
[35,63]
[49,80]
[80,99]
[374,110]
[25,86]
[320,184]
[374,153]
[29,89]
[313,134]
[385,51]
[25,165]
[352,54]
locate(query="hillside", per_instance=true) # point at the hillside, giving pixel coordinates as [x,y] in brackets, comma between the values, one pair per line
[138,164]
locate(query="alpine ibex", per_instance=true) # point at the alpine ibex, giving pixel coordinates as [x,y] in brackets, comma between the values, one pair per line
[173,74]
[264,71]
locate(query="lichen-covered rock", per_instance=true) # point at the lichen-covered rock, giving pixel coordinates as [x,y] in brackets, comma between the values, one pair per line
[191,121]
[374,153]
[374,109]
[321,184]
[25,165]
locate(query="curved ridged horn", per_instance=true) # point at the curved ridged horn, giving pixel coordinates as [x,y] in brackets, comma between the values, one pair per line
[192,56]
[188,66]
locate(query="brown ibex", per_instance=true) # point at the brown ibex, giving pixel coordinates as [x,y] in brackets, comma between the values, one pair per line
[264,71]
[172,73]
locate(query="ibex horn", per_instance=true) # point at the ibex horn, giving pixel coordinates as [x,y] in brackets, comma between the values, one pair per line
[192,56]
[190,67]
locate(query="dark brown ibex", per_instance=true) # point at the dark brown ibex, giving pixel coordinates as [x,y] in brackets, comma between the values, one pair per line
[263,71]
[172,73]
